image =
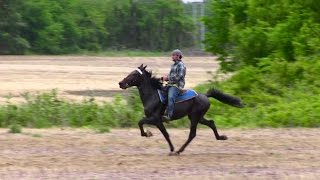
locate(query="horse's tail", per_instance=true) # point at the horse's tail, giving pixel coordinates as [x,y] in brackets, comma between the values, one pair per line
[225,98]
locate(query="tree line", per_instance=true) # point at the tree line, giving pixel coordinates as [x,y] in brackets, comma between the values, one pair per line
[244,32]
[58,26]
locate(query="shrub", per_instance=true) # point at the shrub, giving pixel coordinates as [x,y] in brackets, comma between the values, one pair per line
[15,128]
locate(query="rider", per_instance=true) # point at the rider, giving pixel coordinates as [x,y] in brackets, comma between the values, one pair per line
[176,81]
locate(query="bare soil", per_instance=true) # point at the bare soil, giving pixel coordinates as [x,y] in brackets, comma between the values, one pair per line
[77,77]
[124,154]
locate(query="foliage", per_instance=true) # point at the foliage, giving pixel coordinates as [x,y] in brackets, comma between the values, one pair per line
[244,32]
[61,27]
[47,109]
[11,28]
[155,25]
[277,94]
[15,128]
[273,48]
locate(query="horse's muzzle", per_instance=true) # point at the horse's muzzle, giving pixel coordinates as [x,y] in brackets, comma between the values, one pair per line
[123,85]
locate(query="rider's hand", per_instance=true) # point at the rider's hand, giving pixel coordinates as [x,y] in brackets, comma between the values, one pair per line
[164,78]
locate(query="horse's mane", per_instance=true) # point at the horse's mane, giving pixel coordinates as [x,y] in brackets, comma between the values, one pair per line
[154,81]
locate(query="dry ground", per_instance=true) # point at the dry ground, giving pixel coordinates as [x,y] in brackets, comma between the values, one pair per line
[123,154]
[76,77]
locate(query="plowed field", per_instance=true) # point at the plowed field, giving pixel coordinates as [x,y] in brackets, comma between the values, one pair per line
[76,77]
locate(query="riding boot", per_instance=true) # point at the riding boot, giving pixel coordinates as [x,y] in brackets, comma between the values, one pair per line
[166,117]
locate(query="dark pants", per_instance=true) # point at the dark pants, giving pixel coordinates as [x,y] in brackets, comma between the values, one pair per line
[173,93]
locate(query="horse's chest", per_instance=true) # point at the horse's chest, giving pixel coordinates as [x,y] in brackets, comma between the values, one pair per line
[149,109]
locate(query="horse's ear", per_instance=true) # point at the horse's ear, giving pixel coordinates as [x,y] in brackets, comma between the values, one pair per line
[144,67]
[141,66]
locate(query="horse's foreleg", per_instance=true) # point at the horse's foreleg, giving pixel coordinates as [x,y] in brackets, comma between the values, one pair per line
[164,132]
[210,123]
[146,121]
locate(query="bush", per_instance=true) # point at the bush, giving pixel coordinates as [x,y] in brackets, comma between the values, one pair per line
[15,128]
[47,109]
[276,94]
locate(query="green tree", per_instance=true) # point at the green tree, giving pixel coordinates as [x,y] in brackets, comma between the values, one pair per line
[244,32]
[11,25]
[149,25]
[58,26]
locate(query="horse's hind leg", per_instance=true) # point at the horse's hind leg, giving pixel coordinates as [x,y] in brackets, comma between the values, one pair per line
[211,124]
[193,132]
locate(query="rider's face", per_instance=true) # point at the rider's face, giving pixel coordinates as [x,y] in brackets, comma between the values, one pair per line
[175,57]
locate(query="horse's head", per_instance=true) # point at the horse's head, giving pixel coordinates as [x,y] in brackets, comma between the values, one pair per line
[134,78]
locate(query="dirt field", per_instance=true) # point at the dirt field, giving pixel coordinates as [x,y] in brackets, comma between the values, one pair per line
[78,76]
[123,154]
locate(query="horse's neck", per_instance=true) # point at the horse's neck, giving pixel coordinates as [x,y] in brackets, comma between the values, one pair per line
[146,92]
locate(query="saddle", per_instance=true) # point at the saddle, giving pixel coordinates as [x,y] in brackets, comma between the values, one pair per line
[185,95]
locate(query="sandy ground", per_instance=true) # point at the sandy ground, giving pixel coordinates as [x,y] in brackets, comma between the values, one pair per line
[124,154]
[76,77]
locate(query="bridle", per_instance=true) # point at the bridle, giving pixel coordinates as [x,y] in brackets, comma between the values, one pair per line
[140,72]
[134,80]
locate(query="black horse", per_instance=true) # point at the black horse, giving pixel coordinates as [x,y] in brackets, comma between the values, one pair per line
[195,108]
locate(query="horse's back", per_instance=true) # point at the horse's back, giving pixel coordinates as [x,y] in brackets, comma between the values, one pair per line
[198,104]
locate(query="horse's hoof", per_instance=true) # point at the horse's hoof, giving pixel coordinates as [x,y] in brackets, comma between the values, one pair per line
[149,133]
[174,154]
[223,137]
